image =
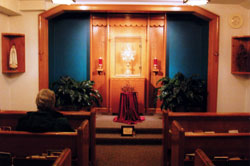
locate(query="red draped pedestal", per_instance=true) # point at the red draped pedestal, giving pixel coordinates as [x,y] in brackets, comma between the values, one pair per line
[128,110]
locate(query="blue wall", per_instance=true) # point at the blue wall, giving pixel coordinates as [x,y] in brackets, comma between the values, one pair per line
[187,45]
[69,37]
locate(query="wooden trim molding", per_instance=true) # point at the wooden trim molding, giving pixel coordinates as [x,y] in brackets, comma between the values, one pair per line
[199,12]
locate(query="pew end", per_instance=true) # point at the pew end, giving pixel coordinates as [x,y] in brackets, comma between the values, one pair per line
[201,159]
[64,159]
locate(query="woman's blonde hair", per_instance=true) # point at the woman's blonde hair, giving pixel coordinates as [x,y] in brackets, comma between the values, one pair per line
[45,99]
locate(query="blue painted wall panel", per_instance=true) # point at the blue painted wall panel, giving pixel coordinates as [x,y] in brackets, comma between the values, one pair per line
[69,46]
[187,45]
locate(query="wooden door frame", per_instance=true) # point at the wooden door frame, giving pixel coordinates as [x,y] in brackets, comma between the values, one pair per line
[213,46]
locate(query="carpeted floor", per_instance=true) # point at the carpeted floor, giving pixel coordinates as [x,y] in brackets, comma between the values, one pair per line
[129,155]
[129,151]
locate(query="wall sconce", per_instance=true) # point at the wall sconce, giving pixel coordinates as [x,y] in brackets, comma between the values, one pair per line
[155,68]
[100,65]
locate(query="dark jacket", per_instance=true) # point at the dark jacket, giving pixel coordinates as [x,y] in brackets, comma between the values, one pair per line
[43,121]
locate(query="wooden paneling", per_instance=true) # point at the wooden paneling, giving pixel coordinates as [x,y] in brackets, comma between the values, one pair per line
[43,53]
[157,37]
[128,20]
[116,88]
[99,49]
[213,61]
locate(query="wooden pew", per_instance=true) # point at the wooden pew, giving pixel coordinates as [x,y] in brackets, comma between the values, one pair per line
[217,144]
[21,143]
[63,160]
[10,118]
[206,121]
[201,159]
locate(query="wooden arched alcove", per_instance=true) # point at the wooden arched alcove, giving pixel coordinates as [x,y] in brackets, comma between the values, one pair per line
[213,45]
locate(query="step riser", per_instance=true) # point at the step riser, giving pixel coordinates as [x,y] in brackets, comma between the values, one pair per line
[103,141]
[138,131]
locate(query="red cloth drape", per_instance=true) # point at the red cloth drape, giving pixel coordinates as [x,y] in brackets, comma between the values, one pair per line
[128,110]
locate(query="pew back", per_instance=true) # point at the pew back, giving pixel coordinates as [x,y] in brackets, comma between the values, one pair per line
[229,144]
[21,143]
[75,118]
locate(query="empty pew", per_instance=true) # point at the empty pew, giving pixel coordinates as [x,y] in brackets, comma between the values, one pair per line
[216,144]
[201,159]
[75,118]
[20,143]
[64,159]
[206,121]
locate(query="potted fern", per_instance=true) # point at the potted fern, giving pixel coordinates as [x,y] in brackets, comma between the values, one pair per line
[181,94]
[74,95]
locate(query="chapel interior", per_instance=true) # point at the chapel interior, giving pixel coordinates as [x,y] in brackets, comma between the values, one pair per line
[126,48]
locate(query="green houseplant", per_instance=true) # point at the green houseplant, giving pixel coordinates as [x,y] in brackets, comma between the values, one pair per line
[181,93]
[74,95]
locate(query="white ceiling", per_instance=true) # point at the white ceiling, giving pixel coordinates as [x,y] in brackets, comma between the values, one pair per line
[244,3]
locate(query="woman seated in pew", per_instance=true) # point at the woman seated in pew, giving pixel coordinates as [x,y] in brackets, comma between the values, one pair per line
[46,118]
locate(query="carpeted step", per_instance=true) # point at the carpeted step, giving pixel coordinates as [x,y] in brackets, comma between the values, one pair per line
[138,139]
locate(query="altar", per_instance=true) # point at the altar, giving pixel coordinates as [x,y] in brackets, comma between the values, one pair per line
[116,89]
[128,109]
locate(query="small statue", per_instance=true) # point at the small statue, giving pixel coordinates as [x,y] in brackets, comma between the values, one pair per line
[242,58]
[13,58]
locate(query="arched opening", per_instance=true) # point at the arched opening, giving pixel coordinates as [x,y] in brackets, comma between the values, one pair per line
[151,12]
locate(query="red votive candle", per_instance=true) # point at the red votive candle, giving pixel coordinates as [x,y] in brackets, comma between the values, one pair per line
[100,61]
[155,61]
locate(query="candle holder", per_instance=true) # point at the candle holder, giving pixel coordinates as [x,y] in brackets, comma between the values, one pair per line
[100,66]
[155,68]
